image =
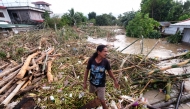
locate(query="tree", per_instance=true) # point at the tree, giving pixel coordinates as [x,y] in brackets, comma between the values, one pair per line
[46,16]
[165,10]
[141,25]
[66,20]
[125,18]
[101,20]
[91,15]
[157,9]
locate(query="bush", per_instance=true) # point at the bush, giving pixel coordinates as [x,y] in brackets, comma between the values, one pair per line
[176,38]
[154,34]
[2,55]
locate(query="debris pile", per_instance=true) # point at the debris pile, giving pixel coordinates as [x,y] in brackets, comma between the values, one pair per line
[54,72]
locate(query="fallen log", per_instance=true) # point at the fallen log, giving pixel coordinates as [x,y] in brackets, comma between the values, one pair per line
[174,57]
[171,101]
[9,77]
[49,75]
[6,72]
[44,54]
[3,66]
[6,86]
[8,92]
[12,94]
[23,69]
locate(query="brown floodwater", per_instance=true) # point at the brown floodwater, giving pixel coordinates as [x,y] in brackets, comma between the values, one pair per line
[162,50]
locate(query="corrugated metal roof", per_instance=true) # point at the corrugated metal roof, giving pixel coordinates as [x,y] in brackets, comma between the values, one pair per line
[15,25]
[184,23]
[165,23]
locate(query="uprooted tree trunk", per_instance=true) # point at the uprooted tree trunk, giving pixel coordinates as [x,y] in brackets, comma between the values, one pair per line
[171,101]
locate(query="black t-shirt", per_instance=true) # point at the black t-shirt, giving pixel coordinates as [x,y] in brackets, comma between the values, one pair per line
[97,71]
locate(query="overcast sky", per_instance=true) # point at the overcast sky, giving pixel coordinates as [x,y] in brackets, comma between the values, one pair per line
[115,7]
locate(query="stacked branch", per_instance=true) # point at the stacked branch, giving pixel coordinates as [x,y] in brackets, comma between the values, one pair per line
[22,77]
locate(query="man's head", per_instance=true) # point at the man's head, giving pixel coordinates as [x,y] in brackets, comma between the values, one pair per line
[102,51]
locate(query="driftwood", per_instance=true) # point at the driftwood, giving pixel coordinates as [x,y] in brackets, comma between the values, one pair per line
[3,66]
[123,69]
[9,77]
[49,75]
[13,93]
[6,86]
[127,107]
[168,67]
[23,69]
[174,57]
[6,72]
[44,54]
[8,92]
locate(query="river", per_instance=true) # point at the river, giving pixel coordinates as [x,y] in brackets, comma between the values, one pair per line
[162,50]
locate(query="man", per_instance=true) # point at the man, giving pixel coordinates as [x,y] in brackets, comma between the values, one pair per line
[97,65]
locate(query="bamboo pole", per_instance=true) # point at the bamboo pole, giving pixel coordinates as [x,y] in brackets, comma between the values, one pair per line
[128,106]
[23,69]
[142,41]
[12,94]
[179,95]
[168,90]
[6,86]
[123,69]
[172,66]
[129,45]
[173,57]
[148,53]
[145,86]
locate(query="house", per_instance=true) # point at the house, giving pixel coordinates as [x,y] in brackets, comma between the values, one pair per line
[28,14]
[164,25]
[4,16]
[183,27]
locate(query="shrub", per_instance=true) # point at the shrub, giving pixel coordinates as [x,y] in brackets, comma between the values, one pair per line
[154,34]
[176,38]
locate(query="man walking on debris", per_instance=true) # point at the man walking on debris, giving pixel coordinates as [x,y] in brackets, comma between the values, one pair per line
[97,65]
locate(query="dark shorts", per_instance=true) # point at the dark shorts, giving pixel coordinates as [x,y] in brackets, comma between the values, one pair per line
[100,91]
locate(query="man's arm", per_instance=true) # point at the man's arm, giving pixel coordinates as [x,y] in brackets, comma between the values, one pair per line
[112,76]
[85,78]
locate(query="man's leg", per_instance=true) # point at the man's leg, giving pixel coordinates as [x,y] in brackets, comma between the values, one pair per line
[101,96]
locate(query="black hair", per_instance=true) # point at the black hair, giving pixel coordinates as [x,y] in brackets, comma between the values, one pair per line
[100,48]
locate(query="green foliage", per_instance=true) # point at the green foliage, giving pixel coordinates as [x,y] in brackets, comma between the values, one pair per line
[46,16]
[20,51]
[92,21]
[92,15]
[154,34]
[141,25]
[125,18]
[175,38]
[105,20]
[55,20]
[187,55]
[183,17]
[2,55]
[65,19]
[165,10]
